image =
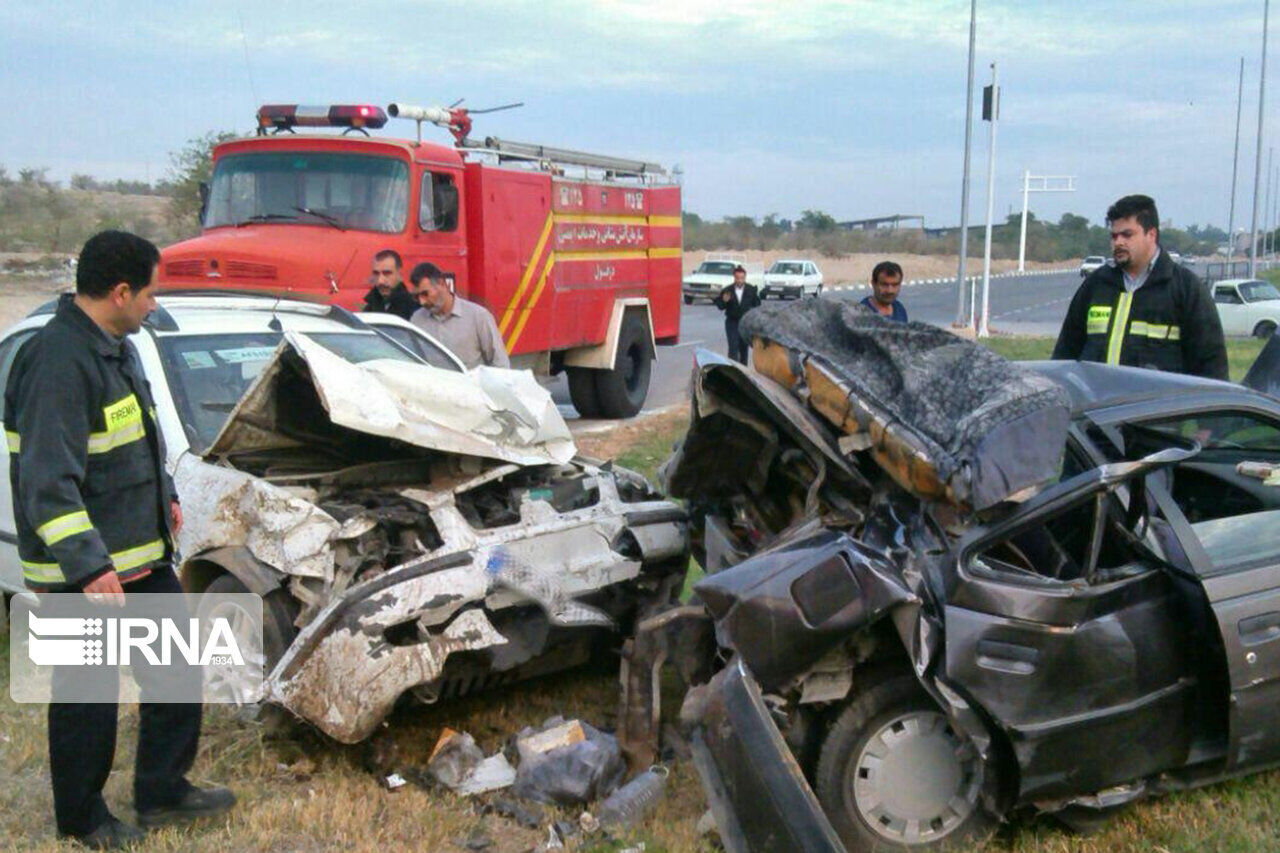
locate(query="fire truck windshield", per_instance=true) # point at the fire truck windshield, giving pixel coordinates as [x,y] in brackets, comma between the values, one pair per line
[357,191]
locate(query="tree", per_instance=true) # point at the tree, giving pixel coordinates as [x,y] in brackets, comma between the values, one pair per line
[189,168]
[817,220]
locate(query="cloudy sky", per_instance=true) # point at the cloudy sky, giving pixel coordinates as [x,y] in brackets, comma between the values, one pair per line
[854,107]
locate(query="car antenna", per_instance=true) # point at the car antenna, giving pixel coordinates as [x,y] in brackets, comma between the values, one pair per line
[274,323]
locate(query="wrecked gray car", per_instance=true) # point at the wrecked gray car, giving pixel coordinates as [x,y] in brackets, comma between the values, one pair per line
[905,651]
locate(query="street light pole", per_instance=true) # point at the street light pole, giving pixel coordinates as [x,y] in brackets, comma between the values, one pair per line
[1257,163]
[1235,163]
[964,186]
[1022,237]
[991,112]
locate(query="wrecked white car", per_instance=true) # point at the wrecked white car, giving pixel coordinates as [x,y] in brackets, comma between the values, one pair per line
[410,528]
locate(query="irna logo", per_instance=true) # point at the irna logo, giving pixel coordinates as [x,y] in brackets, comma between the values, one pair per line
[92,641]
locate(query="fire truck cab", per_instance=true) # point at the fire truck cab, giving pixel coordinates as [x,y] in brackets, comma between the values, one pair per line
[577,256]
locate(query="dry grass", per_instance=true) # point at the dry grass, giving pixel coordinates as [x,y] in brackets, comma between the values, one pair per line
[300,792]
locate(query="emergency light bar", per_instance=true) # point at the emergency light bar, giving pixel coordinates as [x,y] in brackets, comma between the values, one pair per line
[289,116]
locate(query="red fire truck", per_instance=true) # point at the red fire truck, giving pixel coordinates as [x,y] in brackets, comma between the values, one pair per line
[576,255]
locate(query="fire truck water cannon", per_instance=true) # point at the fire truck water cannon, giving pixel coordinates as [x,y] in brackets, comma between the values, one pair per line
[457,120]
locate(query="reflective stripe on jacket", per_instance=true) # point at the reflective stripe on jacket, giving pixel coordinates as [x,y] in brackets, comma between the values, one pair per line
[86,458]
[1170,323]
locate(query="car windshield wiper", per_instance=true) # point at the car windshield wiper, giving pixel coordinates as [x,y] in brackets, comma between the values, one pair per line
[266,217]
[325,217]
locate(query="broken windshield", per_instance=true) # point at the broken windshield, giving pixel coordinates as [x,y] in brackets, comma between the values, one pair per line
[363,192]
[208,374]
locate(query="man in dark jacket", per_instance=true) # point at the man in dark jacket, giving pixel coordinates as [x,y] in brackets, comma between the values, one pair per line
[96,511]
[736,300]
[388,294]
[1145,310]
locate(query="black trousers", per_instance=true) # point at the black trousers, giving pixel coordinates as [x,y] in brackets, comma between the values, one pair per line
[82,737]
[737,346]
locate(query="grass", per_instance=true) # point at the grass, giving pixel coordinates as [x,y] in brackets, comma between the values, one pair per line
[300,792]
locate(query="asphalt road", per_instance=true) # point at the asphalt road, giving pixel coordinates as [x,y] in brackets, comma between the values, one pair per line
[1020,305]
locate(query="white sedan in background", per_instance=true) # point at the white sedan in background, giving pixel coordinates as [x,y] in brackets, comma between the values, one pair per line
[1247,306]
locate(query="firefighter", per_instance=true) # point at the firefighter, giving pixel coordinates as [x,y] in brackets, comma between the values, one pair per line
[388,295]
[466,328]
[735,301]
[1145,310]
[97,511]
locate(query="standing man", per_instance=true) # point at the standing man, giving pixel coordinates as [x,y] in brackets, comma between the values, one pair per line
[464,327]
[886,284]
[96,511]
[1145,311]
[736,300]
[388,294]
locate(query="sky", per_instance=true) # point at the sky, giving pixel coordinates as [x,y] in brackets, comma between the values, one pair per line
[855,108]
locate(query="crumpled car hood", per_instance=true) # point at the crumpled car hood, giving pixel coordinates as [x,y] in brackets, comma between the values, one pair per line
[489,412]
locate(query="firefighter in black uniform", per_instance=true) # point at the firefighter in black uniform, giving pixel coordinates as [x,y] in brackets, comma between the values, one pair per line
[1145,311]
[96,511]
[735,301]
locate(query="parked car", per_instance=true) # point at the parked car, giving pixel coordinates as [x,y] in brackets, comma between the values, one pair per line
[411,529]
[792,279]
[905,673]
[415,340]
[715,274]
[1091,263]
[1247,306]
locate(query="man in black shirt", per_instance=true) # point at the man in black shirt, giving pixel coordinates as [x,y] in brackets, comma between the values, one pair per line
[388,294]
[735,301]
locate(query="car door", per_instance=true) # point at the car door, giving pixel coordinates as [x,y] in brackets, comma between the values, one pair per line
[1067,632]
[10,569]
[1229,524]
[1231,310]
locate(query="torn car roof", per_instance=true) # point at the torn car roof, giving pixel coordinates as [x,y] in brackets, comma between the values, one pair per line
[490,413]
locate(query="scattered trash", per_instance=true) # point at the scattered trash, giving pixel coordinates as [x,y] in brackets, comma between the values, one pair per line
[588,823]
[567,763]
[521,815]
[553,840]
[393,781]
[459,765]
[630,804]
[566,829]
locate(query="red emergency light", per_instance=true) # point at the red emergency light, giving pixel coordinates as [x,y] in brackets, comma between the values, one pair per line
[289,116]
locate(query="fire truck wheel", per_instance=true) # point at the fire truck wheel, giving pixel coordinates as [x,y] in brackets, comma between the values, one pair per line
[582,391]
[621,391]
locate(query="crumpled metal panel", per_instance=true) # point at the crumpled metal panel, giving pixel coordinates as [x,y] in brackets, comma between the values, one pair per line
[223,507]
[491,413]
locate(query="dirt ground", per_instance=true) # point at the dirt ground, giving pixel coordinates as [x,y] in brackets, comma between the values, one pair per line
[857,268]
[19,294]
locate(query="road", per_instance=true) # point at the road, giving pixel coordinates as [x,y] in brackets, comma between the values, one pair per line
[1021,305]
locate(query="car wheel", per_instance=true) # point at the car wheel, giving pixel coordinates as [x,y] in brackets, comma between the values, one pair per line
[688,300]
[278,631]
[1264,330]
[817,291]
[893,773]
[582,391]
[622,391]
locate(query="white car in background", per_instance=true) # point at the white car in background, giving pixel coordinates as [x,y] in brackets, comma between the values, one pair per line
[1247,306]
[1091,263]
[792,278]
[715,274]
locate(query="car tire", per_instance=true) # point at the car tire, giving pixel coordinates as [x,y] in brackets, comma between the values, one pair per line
[817,291]
[278,612]
[1264,330]
[621,392]
[892,767]
[688,300]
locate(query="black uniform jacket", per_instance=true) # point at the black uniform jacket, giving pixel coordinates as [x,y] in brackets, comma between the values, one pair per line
[1170,323]
[86,458]
[733,309]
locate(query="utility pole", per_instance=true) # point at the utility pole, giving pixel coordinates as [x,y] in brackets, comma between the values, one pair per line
[1266,207]
[1235,163]
[1257,162]
[991,113]
[964,185]
[1046,185]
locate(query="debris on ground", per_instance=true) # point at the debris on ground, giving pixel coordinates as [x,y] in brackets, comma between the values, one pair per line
[567,763]
[512,810]
[458,764]
[393,781]
[631,803]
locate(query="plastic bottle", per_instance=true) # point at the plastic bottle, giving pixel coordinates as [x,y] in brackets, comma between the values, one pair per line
[629,804]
